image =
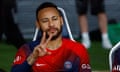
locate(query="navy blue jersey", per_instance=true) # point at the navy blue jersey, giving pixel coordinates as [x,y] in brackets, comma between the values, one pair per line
[116,61]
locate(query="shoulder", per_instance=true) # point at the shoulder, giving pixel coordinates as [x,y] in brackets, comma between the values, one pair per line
[78,49]
[32,44]
[71,43]
[28,46]
[117,54]
[74,46]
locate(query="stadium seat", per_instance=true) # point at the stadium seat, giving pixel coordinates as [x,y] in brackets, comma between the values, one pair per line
[112,55]
[66,28]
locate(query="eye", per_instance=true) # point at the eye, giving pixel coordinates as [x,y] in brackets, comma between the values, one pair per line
[55,18]
[44,20]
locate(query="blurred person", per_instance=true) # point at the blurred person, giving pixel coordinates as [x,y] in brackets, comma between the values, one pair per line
[97,9]
[7,24]
[116,61]
[52,52]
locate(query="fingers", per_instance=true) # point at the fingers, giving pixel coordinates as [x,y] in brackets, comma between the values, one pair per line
[48,53]
[50,37]
[39,51]
[43,38]
[41,48]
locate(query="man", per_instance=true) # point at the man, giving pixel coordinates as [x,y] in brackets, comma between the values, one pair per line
[52,53]
[97,9]
[8,27]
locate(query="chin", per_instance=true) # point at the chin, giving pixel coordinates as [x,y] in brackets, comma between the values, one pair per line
[53,33]
[55,36]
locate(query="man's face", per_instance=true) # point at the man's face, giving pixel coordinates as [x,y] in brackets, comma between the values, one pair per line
[50,21]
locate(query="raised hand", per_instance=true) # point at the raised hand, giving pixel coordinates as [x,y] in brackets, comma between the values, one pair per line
[39,50]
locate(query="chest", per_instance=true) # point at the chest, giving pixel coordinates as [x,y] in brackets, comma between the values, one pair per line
[56,62]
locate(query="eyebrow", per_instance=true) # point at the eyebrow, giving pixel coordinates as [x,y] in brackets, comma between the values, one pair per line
[43,18]
[47,18]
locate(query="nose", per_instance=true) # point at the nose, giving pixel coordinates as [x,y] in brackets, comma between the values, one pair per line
[51,23]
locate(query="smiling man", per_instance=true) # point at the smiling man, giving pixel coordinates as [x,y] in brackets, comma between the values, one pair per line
[52,53]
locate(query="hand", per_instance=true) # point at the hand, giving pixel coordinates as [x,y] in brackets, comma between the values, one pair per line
[39,50]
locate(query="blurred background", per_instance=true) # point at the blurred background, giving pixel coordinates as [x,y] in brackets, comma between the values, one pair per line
[25,21]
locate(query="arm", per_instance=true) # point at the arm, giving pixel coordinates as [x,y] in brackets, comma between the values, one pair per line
[26,58]
[84,58]
[85,62]
[24,67]
[20,64]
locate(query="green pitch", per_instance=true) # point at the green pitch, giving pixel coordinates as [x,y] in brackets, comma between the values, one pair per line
[7,53]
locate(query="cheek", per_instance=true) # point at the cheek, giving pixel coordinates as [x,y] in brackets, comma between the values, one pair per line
[44,28]
[58,24]
[59,27]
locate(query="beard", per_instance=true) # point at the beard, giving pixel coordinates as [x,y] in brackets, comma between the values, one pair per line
[59,31]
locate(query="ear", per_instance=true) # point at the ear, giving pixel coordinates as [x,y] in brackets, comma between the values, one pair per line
[37,24]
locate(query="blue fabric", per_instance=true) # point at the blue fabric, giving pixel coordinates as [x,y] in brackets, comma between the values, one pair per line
[24,67]
[117,56]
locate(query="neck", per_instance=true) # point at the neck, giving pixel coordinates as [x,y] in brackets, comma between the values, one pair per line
[55,44]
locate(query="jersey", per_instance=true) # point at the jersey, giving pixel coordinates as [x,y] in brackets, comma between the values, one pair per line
[69,57]
[116,61]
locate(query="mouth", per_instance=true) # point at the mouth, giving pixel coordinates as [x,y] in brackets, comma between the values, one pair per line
[52,30]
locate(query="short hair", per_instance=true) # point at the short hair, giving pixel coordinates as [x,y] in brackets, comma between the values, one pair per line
[46,5]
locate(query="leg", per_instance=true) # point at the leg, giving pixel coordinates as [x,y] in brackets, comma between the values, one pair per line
[98,9]
[82,7]
[13,33]
[83,23]
[1,32]
[84,30]
[102,18]
[1,27]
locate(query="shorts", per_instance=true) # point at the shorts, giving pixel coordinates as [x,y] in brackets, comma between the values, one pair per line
[96,6]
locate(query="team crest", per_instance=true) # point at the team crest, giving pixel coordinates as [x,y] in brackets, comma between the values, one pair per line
[68,65]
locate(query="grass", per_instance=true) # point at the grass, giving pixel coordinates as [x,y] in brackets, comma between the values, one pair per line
[7,53]
[98,56]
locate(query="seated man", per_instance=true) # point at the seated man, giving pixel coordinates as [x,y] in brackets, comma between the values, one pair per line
[52,53]
[116,61]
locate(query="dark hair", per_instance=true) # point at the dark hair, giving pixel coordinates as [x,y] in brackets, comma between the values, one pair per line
[46,5]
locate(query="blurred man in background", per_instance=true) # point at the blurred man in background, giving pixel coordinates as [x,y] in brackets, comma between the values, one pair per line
[7,25]
[97,9]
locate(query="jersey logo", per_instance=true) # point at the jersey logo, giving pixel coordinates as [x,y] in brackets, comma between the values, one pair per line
[37,64]
[17,59]
[68,65]
[85,66]
[116,68]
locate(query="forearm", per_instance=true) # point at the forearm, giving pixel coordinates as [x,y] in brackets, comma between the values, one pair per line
[31,59]
[24,67]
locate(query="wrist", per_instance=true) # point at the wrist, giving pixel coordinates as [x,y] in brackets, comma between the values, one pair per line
[31,59]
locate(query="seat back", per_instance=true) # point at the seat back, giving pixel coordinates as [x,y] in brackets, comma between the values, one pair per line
[112,55]
[66,27]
